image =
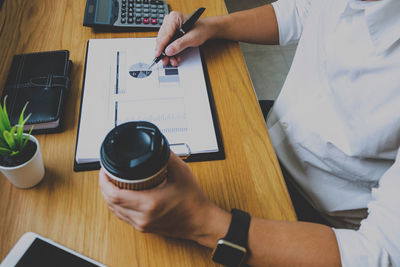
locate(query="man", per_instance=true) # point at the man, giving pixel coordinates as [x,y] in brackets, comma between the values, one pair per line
[335,128]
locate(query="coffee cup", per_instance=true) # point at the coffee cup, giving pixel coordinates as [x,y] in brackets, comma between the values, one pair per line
[134,155]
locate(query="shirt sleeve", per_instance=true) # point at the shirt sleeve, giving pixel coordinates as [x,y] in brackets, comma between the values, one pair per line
[377,242]
[291,15]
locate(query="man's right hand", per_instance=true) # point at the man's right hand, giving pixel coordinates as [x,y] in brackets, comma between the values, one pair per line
[201,32]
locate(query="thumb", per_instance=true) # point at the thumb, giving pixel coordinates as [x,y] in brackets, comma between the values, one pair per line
[178,170]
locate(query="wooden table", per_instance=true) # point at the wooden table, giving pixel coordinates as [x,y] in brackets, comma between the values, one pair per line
[68,207]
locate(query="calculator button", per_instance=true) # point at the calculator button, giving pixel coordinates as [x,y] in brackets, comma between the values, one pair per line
[130,20]
[138,20]
[130,15]
[146,15]
[160,21]
[145,10]
[146,5]
[138,1]
[123,15]
[160,16]
[146,20]
[153,21]
[130,9]
[153,6]
[138,10]
[123,20]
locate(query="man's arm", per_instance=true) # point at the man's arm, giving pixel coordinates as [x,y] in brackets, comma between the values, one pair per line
[178,208]
[278,242]
[292,243]
[258,25]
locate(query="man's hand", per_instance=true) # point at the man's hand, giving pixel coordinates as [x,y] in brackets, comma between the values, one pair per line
[177,207]
[200,33]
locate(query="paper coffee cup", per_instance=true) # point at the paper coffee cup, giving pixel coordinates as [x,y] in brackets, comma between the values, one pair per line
[134,155]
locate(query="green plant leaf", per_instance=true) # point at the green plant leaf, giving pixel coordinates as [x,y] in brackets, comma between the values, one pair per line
[19,138]
[13,153]
[21,120]
[2,128]
[13,135]
[9,138]
[3,143]
[12,138]
[2,119]
[4,116]
[4,151]
[26,139]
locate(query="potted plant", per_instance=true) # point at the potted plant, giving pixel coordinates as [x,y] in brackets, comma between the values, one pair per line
[20,158]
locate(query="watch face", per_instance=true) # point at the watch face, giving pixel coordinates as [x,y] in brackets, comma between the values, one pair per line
[228,255]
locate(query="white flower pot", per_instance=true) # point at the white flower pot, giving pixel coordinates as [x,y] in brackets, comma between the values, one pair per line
[29,173]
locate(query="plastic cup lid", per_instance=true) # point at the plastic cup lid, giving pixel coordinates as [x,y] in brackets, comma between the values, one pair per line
[134,150]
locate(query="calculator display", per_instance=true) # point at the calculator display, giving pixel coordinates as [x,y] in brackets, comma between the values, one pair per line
[103,7]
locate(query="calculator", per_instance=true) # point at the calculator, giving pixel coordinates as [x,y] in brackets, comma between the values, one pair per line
[125,15]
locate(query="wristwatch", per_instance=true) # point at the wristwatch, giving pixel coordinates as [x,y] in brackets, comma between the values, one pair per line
[232,249]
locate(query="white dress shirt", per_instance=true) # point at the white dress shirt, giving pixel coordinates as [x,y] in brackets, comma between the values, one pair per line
[336,123]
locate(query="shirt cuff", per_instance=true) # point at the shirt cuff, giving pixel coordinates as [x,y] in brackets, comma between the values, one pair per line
[356,250]
[289,25]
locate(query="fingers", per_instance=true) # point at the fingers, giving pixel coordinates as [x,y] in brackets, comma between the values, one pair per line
[134,207]
[172,22]
[178,170]
[187,40]
[125,198]
[174,61]
[167,209]
[131,217]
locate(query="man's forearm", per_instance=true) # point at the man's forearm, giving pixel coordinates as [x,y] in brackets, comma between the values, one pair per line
[291,243]
[275,242]
[257,25]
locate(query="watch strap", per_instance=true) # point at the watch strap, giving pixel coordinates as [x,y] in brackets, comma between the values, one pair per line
[238,228]
[231,250]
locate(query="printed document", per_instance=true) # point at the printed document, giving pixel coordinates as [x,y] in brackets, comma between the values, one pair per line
[119,87]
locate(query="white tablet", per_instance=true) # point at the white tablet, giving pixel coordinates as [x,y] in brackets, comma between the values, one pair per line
[34,250]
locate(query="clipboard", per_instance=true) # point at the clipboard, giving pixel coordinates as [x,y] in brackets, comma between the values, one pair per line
[193,157]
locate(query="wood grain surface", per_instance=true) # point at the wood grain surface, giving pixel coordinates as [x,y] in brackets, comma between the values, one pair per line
[68,206]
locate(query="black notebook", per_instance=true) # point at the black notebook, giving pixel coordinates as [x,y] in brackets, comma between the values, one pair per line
[41,79]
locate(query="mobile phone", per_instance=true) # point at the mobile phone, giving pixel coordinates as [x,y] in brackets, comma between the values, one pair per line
[34,250]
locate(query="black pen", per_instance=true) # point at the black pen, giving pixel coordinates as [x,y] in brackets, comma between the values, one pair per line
[186,26]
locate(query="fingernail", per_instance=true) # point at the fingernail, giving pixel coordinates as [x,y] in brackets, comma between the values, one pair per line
[169,51]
